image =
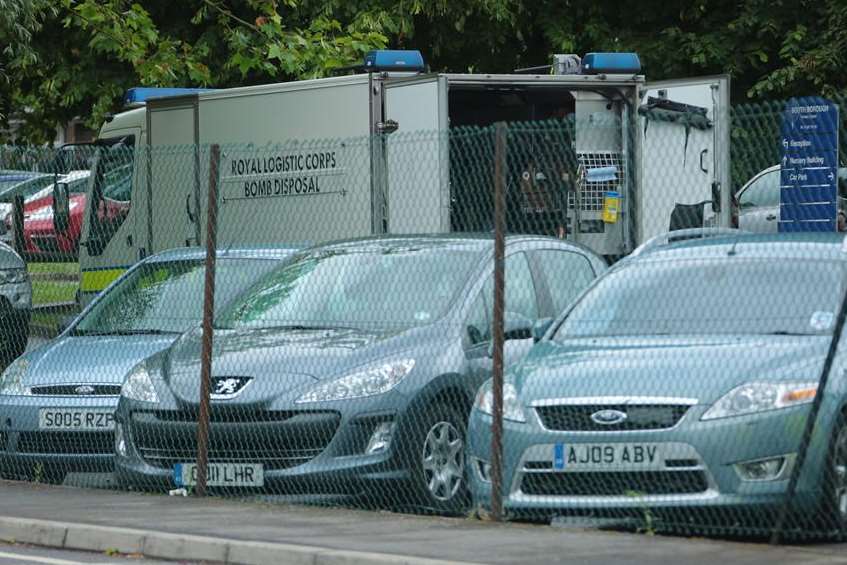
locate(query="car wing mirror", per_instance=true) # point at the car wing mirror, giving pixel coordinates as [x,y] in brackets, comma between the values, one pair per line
[540,327]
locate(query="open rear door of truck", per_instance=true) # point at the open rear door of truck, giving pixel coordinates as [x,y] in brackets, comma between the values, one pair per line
[416,155]
[684,139]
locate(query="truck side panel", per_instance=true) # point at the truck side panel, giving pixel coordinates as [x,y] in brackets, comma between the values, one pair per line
[295,163]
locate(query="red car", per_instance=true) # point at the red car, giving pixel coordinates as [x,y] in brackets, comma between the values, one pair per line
[41,243]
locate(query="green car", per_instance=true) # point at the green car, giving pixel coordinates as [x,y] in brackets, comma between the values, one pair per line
[680,383]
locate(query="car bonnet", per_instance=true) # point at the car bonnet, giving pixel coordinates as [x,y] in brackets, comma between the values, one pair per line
[697,367]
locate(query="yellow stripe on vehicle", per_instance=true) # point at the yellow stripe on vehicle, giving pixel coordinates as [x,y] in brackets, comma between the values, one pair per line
[95,281]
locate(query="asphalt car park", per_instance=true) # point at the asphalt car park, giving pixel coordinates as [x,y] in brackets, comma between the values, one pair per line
[351,369]
[57,401]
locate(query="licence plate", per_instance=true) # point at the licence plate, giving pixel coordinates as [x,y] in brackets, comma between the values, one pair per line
[607,456]
[221,474]
[75,419]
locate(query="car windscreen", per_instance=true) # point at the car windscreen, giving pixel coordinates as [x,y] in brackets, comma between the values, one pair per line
[372,288]
[713,296]
[167,296]
[26,188]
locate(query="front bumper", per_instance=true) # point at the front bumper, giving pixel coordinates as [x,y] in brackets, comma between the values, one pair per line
[25,447]
[698,470]
[302,451]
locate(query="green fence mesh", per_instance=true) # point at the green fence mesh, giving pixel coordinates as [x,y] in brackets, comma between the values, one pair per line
[662,369]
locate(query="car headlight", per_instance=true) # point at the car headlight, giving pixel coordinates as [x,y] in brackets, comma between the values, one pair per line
[139,386]
[512,409]
[12,276]
[369,382]
[12,380]
[758,397]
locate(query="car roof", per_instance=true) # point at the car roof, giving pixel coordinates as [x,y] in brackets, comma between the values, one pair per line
[475,240]
[270,252]
[807,245]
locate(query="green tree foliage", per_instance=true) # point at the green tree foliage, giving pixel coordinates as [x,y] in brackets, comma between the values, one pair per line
[65,58]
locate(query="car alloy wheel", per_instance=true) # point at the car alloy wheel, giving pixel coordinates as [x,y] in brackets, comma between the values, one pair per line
[443,461]
[838,475]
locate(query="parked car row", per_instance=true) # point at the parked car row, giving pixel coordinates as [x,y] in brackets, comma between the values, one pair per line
[680,378]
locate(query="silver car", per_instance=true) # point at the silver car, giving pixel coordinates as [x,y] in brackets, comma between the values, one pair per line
[15,304]
[759,200]
[680,384]
[57,402]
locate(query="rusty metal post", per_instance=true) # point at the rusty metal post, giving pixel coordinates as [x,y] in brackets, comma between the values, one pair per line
[208,320]
[497,330]
[18,224]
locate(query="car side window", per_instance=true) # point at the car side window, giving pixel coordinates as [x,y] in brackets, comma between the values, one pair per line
[520,299]
[566,273]
[520,288]
[764,191]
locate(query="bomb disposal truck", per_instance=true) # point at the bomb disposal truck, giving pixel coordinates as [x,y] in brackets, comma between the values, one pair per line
[382,151]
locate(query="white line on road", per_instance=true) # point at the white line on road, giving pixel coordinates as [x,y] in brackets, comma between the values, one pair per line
[37,559]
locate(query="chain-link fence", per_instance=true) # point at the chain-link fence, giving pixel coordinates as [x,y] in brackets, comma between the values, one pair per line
[532,320]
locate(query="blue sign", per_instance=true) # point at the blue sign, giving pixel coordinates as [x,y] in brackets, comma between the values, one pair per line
[809,174]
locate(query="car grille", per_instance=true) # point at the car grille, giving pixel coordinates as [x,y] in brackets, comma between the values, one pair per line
[69,443]
[70,390]
[577,418]
[277,439]
[623,483]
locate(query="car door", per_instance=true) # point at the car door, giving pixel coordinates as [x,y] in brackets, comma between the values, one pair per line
[562,276]
[759,203]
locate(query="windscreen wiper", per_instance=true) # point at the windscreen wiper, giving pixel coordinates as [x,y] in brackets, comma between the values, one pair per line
[306,327]
[148,331]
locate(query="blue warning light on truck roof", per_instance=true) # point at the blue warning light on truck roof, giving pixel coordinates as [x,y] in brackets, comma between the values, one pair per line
[394,60]
[611,63]
[141,94]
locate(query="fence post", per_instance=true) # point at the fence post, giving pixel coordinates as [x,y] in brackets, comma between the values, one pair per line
[497,330]
[208,319]
[811,421]
[18,224]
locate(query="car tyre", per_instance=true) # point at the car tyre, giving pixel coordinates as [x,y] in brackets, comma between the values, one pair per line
[438,473]
[832,514]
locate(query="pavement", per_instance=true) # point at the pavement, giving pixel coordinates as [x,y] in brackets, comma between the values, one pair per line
[237,532]
[18,554]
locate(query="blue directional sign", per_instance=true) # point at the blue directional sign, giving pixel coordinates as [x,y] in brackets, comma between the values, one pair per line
[809,175]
